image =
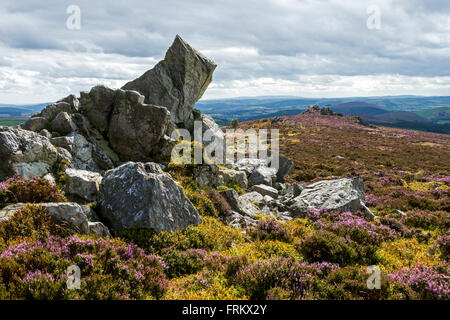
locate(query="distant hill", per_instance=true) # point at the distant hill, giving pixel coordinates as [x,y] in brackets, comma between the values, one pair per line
[26,110]
[395,116]
[440,115]
[356,108]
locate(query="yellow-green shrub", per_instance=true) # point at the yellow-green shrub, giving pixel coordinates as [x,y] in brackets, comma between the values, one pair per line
[404,253]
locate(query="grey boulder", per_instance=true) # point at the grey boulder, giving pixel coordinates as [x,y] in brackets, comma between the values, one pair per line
[141,195]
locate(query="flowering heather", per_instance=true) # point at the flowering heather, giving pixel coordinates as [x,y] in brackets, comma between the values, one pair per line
[430,282]
[285,273]
[18,189]
[443,245]
[270,230]
[109,270]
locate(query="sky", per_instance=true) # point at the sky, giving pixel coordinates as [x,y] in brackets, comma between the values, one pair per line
[305,48]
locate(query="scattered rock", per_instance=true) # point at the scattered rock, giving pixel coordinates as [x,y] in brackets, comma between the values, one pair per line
[265,190]
[99,229]
[141,195]
[83,184]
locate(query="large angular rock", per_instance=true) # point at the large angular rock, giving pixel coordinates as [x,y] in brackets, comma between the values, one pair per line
[345,194]
[141,195]
[26,153]
[83,184]
[177,82]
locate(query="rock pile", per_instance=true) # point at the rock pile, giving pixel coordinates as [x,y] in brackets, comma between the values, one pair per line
[104,146]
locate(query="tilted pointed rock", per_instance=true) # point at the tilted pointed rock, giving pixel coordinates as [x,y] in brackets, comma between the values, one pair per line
[177,82]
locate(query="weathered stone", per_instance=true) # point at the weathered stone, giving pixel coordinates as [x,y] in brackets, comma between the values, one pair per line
[136,128]
[25,152]
[177,82]
[83,184]
[97,105]
[138,195]
[265,190]
[35,124]
[63,123]
[215,134]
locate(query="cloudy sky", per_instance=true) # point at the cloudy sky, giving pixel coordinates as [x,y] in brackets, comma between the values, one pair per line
[308,48]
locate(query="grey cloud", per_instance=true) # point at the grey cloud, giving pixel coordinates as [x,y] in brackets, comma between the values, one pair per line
[254,39]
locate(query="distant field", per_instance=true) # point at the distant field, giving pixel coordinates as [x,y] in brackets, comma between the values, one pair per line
[11,121]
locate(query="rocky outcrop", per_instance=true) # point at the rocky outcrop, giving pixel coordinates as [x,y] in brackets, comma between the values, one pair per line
[345,194]
[324,111]
[177,82]
[83,184]
[141,195]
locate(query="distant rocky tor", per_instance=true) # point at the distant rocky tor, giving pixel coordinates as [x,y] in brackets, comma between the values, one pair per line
[107,144]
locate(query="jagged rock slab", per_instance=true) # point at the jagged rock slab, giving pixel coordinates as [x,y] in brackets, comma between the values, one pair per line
[141,195]
[177,82]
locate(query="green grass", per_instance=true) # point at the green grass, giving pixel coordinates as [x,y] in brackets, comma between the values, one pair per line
[11,121]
